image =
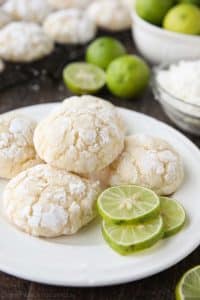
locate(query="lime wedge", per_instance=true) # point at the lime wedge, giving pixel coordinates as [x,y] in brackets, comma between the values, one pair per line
[173,216]
[83,78]
[126,239]
[189,286]
[128,204]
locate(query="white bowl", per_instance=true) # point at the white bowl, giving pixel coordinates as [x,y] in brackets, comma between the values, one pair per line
[184,114]
[158,45]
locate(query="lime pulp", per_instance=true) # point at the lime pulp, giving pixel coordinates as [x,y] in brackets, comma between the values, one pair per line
[128,204]
[173,215]
[82,78]
[126,239]
[189,286]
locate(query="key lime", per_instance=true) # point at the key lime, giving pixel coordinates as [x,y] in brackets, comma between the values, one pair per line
[153,11]
[104,50]
[128,204]
[196,2]
[127,76]
[126,239]
[189,286]
[183,18]
[173,216]
[83,78]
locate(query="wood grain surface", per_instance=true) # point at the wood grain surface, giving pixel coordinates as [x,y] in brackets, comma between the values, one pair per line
[158,287]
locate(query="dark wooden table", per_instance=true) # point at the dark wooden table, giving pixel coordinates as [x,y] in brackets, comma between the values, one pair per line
[158,287]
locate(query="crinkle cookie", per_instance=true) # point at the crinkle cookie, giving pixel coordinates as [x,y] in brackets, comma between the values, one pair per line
[4,18]
[24,42]
[83,136]
[111,15]
[17,151]
[27,10]
[63,4]
[150,162]
[48,202]
[71,26]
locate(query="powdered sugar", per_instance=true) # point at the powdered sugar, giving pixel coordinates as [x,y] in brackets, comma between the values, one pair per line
[16,144]
[49,202]
[55,218]
[70,26]
[182,80]
[18,125]
[77,188]
[4,18]
[94,138]
[150,162]
[24,42]
[63,4]
[112,15]
[31,10]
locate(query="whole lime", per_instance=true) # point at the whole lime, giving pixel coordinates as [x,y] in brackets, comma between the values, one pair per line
[153,11]
[183,18]
[104,50]
[196,2]
[127,76]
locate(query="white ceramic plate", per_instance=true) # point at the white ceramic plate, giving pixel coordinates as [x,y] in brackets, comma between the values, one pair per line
[85,259]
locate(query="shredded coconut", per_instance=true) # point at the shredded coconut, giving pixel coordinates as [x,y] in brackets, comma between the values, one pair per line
[182,80]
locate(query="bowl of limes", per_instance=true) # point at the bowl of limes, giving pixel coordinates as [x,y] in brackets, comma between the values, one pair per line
[167,31]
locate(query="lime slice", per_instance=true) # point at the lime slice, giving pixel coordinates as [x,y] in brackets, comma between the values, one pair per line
[129,238]
[189,286]
[83,78]
[128,204]
[173,216]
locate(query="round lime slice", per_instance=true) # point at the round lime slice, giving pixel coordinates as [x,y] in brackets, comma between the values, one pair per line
[173,216]
[128,204]
[82,78]
[126,239]
[189,286]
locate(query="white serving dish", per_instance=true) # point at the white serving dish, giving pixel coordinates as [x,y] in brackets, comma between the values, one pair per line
[85,259]
[158,45]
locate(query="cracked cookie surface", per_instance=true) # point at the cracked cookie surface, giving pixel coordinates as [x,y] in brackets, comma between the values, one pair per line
[84,135]
[23,10]
[48,202]
[24,42]
[147,161]
[17,151]
[111,15]
[70,26]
